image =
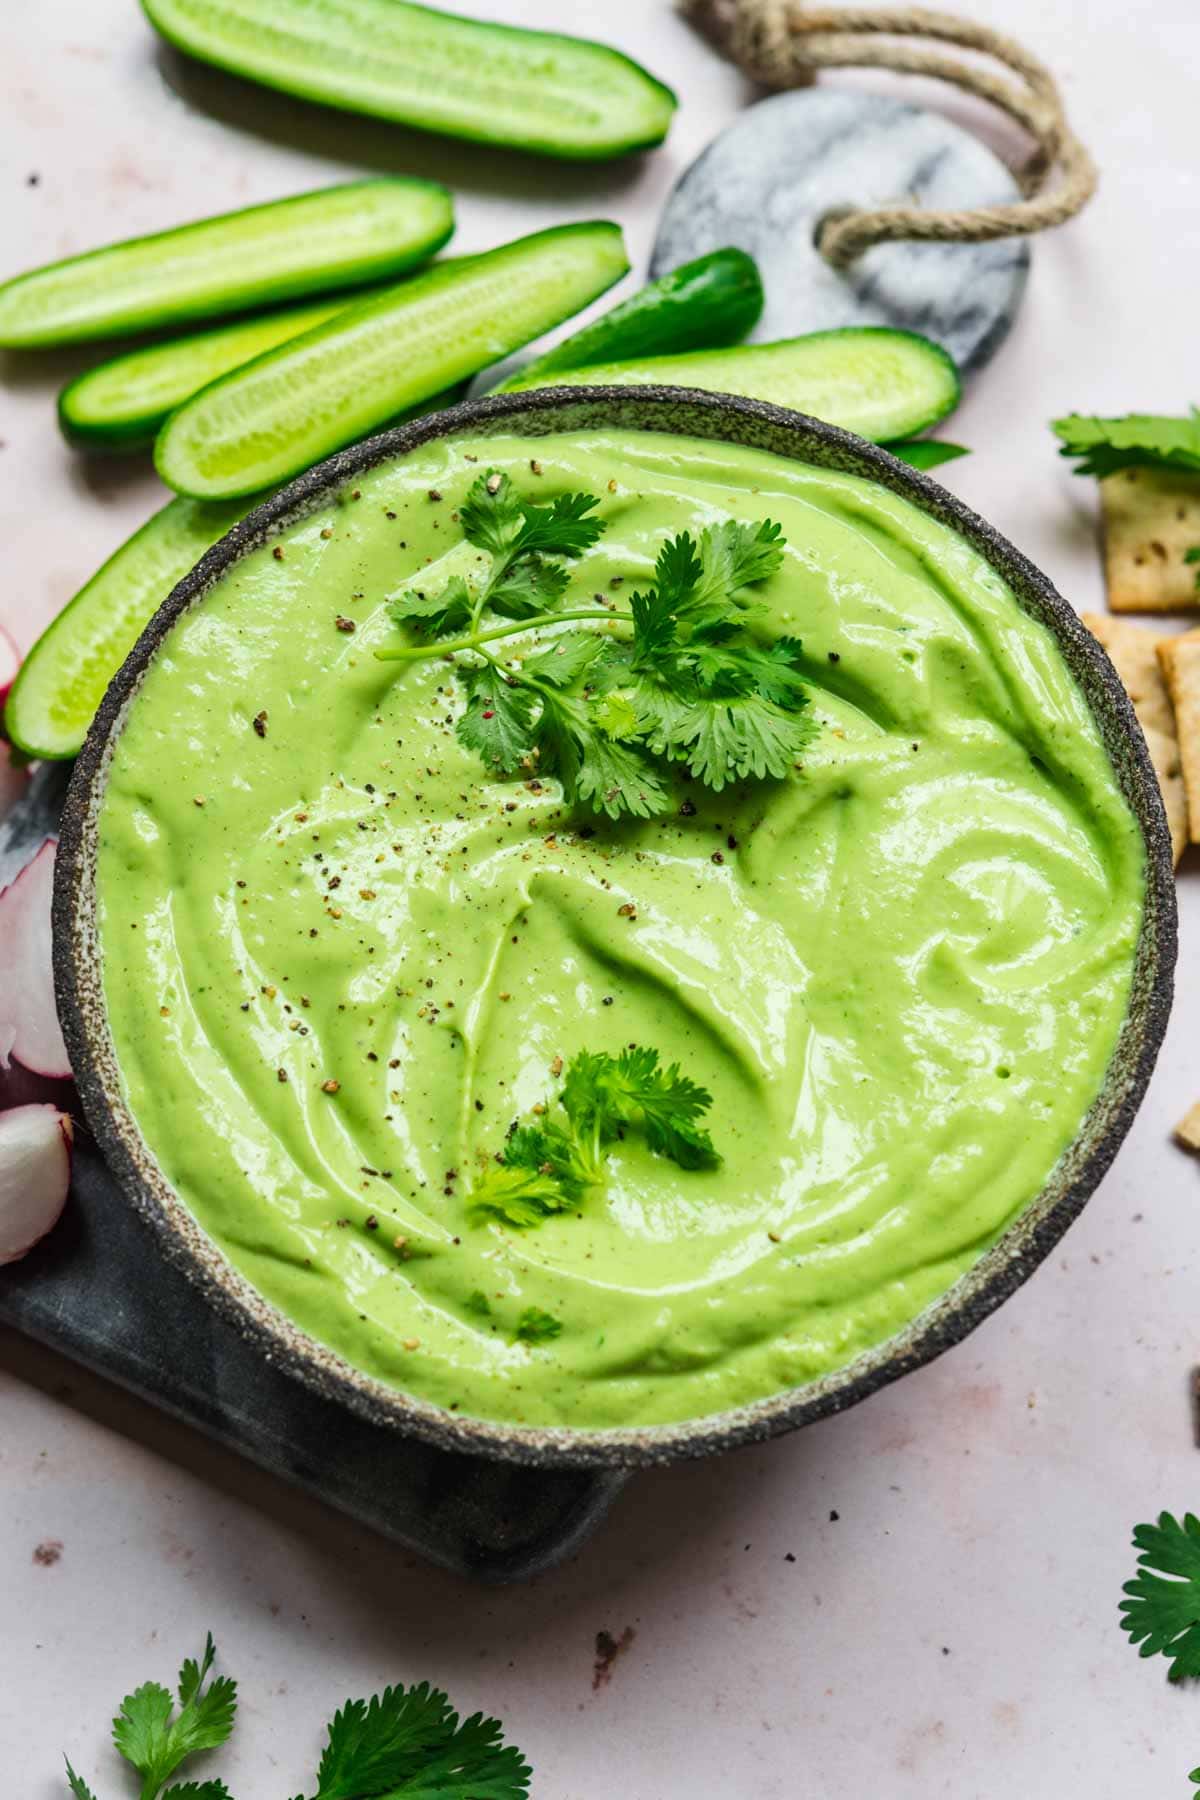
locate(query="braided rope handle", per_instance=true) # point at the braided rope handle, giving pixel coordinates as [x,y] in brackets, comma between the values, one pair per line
[781,44]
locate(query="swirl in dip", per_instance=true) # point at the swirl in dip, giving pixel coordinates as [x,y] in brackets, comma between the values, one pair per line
[900,972]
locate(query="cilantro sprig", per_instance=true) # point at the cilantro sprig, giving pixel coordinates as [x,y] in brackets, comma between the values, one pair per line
[680,677]
[402,1744]
[1103,446]
[549,1165]
[1162,1610]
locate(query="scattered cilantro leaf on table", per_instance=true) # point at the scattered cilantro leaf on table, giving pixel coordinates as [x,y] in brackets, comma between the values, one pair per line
[549,1166]
[1103,446]
[156,1740]
[403,1744]
[408,1744]
[680,677]
[1162,1612]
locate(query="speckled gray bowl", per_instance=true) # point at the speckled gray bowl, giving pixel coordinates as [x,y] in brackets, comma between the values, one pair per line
[996,1275]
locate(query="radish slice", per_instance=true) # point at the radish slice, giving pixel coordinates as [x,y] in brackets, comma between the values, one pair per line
[35,1170]
[29,1029]
[10,662]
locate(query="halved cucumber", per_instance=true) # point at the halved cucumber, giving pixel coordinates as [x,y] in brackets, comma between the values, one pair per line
[121,404]
[62,680]
[465,78]
[881,383]
[712,301]
[335,238]
[294,405]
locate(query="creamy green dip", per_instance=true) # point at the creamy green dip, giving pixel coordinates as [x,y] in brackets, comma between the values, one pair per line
[901,972]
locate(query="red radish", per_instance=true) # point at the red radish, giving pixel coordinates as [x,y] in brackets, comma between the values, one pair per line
[35,1170]
[29,1029]
[10,662]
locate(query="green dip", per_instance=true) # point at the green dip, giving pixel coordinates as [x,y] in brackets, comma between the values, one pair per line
[901,972]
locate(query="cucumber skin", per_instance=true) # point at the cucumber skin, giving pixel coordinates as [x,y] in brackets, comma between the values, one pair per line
[296,286]
[692,368]
[62,749]
[177,478]
[702,305]
[538,144]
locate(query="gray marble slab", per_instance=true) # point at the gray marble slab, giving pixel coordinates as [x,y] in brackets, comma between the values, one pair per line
[767,181]
[98,1290]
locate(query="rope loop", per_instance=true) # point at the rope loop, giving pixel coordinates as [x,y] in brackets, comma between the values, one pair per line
[783,43]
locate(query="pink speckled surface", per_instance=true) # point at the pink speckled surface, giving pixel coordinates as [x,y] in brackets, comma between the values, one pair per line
[953,1630]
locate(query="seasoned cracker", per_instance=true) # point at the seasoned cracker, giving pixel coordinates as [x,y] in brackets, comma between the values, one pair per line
[1179,658]
[1133,650]
[1151,518]
[1187,1132]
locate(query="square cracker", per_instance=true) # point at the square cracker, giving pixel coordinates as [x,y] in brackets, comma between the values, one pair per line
[1187,1132]
[1151,517]
[1134,652]
[1180,661]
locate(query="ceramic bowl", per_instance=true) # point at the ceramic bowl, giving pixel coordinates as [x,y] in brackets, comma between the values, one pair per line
[997,1274]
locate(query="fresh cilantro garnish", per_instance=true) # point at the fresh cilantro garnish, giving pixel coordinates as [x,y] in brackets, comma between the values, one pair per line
[1162,1613]
[403,1744]
[1102,446]
[549,1166]
[537,1327]
[680,677]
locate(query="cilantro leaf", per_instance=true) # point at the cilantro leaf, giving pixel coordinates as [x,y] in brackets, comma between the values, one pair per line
[550,1166]
[537,1327]
[602,1093]
[561,529]
[1161,1614]
[155,1742]
[564,660]
[142,1730]
[435,610]
[408,1744]
[77,1785]
[490,515]
[617,780]
[1102,446]
[735,556]
[497,722]
[528,588]
[198,1790]
[926,453]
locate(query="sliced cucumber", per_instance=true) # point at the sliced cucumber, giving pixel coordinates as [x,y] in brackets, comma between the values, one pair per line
[881,383]
[121,404]
[712,301]
[292,406]
[465,78]
[335,238]
[927,453]
[62,680]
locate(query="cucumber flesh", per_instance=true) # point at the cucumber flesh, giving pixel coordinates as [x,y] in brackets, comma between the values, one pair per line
[296,404]
[335,238]
[121,404]
[465,78]
[880,383]
[62,680]
[703,304]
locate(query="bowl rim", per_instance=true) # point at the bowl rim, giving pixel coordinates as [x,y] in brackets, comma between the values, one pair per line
[1004,1267]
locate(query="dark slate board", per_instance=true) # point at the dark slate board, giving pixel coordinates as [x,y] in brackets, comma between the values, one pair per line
[98,1290]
